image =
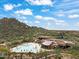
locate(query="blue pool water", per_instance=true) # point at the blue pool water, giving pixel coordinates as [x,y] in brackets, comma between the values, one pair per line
[27,47]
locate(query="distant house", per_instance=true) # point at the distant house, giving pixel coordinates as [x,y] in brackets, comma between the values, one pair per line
[52,43]
[48,44]
[64,44]
[69,43]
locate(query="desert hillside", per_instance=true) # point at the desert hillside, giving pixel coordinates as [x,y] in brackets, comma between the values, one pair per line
[14,32]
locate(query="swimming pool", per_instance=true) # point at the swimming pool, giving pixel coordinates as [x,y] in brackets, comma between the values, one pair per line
[27,47]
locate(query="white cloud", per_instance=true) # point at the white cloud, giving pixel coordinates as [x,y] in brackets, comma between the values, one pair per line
[24,12]
[67,5]
[52,20]
[10,6]
[37,22]
[22,18]
[66,1]
[62,23]
[40,2]
[45,10]
[2,15]
[47,25]
[74,16]
[38,17]
[17,5]
[60,14]
[77,24]
[72,11]
[57,22]
[48,18]
[24,21]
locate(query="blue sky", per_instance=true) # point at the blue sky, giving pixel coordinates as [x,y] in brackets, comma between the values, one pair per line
[49,14]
